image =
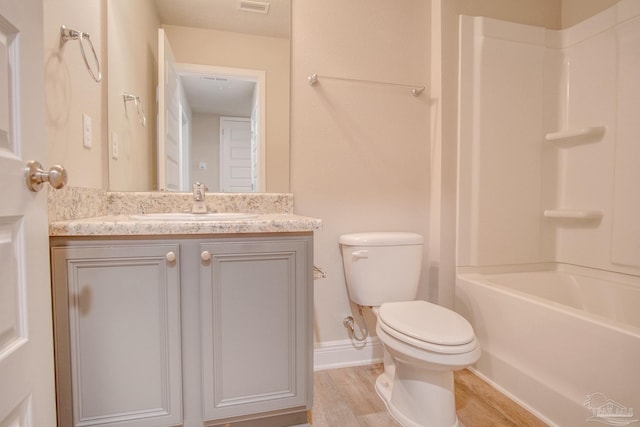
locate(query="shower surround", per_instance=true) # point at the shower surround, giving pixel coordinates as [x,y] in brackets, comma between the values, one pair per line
[549,165]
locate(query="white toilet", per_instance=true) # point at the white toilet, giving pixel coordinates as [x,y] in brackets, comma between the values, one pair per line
[424,343]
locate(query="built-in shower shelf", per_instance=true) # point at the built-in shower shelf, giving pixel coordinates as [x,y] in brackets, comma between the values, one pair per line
[576,136]
[587,214]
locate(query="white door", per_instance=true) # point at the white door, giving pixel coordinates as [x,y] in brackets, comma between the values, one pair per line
[185,156]
[169,164]
[27,396]
[255,148]
[235,155]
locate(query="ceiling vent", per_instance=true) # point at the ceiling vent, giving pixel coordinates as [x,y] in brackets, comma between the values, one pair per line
[254,6]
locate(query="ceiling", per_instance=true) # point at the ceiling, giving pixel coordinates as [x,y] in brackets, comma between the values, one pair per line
[219,95]
[225,15]
[231,97]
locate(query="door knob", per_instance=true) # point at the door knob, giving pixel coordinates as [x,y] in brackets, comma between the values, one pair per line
[35,176]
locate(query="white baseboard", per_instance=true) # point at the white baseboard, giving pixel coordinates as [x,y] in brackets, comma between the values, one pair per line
[345,353]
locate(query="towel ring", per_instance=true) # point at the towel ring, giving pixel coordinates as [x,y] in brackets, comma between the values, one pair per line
[67,34]
[136,100]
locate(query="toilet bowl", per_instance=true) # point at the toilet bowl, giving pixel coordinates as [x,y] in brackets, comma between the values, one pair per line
[423,342]
[418,390]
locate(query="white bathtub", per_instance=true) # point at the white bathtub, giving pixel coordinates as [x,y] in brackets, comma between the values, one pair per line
[561,342]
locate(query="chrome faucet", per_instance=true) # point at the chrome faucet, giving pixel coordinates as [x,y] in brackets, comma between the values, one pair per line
[199,203]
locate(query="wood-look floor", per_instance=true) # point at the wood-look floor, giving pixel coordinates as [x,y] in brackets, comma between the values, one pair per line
[347,398]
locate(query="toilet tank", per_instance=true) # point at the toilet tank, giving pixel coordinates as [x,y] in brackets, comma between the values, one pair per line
[381,267]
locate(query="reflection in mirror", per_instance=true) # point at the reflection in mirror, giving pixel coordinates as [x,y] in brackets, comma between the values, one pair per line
[226,106]
[192,100]
[218,46]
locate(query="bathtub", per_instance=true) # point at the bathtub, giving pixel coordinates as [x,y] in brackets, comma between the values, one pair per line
[564,343]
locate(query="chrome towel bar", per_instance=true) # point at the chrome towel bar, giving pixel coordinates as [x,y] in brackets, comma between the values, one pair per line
[415,90]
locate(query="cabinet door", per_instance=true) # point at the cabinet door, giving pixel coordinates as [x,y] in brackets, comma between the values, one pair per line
[255,337]
[117,327]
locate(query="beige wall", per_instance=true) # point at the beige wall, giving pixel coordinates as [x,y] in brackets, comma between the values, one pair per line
[225,49]
[132,52]
[359,151]
[205,147]
[574,11]
[70,91]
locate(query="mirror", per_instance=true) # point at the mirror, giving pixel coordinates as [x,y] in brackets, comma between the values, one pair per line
[227,49]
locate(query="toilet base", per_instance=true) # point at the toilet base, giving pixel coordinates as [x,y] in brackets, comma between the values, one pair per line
[434,401]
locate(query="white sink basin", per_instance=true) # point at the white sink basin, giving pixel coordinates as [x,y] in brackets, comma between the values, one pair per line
[218,216]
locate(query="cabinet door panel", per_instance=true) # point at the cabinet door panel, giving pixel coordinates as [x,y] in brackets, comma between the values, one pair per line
[123,333]
[251,289]
[253,326]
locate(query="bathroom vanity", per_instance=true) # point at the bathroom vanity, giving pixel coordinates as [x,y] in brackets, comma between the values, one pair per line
[193,324]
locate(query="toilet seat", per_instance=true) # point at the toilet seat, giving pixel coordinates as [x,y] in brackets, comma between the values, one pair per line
[427,326]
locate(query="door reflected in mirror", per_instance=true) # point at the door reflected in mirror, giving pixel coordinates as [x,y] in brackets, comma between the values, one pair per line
[219,115]
[213,59]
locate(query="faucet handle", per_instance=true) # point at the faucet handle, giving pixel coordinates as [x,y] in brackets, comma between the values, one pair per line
[199,186]
[198,191]
[199,205]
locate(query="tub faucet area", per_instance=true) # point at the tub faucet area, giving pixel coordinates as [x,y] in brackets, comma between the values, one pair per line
[199,204]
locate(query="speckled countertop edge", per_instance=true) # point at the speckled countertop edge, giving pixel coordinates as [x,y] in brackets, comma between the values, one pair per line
[124,225]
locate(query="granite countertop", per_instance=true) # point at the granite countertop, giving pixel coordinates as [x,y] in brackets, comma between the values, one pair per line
[125,225]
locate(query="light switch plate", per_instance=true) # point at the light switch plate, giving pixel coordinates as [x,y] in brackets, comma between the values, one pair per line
[115,146]
[86,131]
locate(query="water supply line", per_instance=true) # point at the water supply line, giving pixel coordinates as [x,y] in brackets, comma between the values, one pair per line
[349,323]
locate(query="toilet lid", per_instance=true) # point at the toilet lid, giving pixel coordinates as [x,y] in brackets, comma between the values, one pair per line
[427,322]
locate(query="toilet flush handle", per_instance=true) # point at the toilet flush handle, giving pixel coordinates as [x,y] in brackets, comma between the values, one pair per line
[360,254]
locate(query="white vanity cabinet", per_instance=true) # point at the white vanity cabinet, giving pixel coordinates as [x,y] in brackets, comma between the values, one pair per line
[189,331]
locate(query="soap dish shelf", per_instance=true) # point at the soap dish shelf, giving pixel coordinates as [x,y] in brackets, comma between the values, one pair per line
[580,214]
[576,136]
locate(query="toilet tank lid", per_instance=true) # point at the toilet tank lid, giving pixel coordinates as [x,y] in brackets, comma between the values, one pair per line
[381,238]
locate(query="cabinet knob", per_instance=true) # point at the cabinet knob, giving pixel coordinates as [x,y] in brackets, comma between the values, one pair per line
[205,255]
[170,256]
